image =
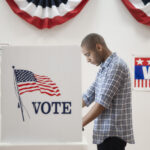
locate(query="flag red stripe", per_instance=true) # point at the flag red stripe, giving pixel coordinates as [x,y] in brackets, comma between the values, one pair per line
[25,88]
[51,94]
[39,89]
[42,77]
[29,91]
[50,90]
[145,83]
[47,83]
[48,86]
[26,84]
[138,83]
[46,80]
[38,76]
[134,83]
[41,92]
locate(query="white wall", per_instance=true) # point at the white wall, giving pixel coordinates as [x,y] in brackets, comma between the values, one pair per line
[122,34]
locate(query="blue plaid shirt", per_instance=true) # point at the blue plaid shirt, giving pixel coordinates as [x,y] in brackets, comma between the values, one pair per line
[112,90]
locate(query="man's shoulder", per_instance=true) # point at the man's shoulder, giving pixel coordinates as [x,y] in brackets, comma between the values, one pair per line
[119,64]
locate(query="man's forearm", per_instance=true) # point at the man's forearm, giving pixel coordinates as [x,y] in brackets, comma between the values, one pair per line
[95,111]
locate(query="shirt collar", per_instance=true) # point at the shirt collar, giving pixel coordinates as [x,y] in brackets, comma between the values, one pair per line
[108,60]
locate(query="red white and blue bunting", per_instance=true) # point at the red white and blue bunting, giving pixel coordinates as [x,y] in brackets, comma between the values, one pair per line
[140,10]
[46,13]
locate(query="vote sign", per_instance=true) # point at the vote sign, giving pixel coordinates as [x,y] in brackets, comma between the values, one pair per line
[41,94]
[142,73]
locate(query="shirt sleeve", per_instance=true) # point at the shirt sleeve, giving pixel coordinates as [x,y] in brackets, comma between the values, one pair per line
[108,86]
[89,95]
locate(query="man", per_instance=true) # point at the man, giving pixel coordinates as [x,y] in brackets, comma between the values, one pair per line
[111,92]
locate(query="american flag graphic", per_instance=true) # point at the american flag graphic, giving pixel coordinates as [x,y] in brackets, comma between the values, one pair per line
[142,72]
[27,81]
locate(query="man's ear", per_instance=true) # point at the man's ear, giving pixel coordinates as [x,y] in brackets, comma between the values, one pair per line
[99,47]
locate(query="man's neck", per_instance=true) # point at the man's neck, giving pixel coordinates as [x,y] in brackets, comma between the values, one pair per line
[107,54]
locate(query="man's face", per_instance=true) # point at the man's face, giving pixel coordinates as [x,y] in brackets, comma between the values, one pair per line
[92,56]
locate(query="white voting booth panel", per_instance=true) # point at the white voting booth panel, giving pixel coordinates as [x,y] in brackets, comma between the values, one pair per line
[41,98]
[53,146]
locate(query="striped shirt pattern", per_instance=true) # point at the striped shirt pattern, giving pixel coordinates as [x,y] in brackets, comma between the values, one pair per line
[141,73]
[112,90]
[27,81]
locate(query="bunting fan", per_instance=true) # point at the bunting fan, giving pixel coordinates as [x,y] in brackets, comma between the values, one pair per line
[46,13]
[139,9]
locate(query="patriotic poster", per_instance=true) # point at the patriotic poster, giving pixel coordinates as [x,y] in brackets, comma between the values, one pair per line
[41,94]
[141,73]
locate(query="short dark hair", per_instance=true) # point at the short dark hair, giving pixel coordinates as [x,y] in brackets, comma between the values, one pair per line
[91,40]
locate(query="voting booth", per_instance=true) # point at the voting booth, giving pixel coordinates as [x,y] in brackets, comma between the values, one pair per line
[41,95]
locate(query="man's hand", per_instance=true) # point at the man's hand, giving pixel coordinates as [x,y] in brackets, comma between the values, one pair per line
[83,103]
[95,111]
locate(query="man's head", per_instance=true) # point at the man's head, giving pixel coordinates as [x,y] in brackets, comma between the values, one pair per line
[94,48]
